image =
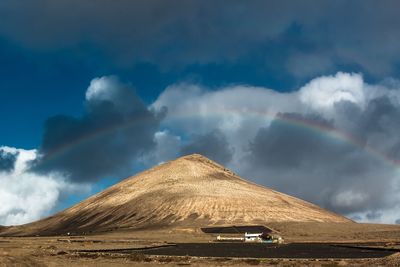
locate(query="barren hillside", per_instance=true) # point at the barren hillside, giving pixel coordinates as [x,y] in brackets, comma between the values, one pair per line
[189,191]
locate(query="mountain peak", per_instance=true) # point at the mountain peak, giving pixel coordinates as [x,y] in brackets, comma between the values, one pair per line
[201,161]
[192,191]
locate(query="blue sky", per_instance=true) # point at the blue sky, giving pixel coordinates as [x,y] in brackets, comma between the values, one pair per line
[72,69]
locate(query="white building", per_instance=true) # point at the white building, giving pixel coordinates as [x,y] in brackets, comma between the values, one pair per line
[253,237]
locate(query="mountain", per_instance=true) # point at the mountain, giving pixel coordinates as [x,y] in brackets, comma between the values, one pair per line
[189,191]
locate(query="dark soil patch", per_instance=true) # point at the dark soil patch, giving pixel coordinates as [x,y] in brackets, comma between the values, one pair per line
[256,250]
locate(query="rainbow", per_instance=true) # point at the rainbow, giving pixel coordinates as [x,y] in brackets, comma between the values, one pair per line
[312,125]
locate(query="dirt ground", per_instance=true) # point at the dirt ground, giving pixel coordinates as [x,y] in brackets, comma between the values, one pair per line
[64,250]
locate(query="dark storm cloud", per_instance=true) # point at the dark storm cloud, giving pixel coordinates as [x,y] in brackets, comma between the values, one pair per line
[212,145]
[7,160]
[306,37]
[377,124]
[334,173]
[288,145]
[116,129]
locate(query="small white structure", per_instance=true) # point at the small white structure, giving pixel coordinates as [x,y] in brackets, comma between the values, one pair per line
[263,238]
[253,237]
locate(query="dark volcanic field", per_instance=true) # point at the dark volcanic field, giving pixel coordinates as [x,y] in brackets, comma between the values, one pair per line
[256,250]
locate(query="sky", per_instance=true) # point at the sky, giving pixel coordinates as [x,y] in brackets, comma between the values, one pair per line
[299,96]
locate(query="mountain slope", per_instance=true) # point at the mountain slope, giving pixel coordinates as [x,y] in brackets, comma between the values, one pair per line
[191,191]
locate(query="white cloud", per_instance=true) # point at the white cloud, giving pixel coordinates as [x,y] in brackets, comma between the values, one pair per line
[228,107]
[25,196]
[100,88]
[322,93]
[112,90]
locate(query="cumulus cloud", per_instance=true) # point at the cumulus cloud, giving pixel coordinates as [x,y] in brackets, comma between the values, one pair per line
[25,196]
[333,142]
[116,129]
[321,94]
